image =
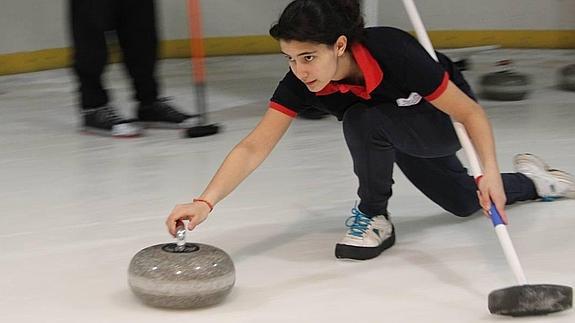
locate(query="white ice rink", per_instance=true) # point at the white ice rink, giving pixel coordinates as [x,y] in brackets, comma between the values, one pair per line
[75,208]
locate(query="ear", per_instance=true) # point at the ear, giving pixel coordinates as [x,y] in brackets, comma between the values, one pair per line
[340,45]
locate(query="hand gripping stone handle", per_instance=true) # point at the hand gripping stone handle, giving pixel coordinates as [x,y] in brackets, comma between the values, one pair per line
[472,158]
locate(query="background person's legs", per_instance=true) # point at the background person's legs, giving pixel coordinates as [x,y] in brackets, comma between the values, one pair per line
[137,34]
[89,21]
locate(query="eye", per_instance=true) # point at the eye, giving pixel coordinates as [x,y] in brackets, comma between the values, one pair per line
[309,58]
[289,58]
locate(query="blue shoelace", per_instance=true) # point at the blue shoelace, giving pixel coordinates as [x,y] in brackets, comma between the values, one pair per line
[359,223]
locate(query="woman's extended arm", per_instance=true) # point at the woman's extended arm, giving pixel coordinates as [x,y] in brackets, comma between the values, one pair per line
[244,158]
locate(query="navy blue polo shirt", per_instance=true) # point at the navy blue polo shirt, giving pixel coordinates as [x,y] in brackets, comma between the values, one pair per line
[400,78]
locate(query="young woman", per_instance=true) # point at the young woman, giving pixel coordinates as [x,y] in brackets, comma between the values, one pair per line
[395,102]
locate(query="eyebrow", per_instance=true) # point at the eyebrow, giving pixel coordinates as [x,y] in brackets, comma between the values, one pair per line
[302,54]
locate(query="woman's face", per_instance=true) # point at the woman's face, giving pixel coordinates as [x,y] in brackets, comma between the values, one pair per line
[314,64]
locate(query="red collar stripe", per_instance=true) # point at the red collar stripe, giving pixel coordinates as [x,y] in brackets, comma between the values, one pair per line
[372,74]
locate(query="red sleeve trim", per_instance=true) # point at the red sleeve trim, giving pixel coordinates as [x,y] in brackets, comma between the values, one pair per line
[440,89]
[282,109]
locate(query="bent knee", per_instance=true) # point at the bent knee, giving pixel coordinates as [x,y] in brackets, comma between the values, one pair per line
[464,210]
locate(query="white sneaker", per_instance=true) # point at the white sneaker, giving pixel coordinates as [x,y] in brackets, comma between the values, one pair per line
[549,183]
[366,237]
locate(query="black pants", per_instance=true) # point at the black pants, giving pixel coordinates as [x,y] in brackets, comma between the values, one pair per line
[135,24]
[444,179]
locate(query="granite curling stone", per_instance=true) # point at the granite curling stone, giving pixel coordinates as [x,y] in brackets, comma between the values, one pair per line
[505,85]
[181,275]
[567,78]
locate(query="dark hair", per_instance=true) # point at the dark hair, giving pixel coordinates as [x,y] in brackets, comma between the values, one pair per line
[320,21]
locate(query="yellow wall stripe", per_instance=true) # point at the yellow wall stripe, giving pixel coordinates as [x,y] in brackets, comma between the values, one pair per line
[550,39]
[218,46]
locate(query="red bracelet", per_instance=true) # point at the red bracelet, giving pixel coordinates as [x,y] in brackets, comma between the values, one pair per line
[208,203]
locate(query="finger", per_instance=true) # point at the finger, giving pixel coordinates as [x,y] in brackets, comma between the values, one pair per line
[486,201]
[171,222]
[501,209]
[504,218]
[499,202]
[171,227]
[193,223]
[167,223]
[502,215]
[482,208]
[482,203]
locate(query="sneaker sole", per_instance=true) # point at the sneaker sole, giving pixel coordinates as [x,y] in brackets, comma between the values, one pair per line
[343,251]
[163,125]
[188,123]
[104,133]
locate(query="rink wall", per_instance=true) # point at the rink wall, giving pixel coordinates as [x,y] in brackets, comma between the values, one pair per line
[35,34]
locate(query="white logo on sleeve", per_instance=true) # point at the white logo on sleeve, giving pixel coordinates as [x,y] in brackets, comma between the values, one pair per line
[413,99]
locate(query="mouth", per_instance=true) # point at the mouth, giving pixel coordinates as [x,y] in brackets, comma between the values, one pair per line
[310,83]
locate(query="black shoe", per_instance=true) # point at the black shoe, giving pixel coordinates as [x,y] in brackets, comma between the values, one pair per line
[105,121]
[160,114]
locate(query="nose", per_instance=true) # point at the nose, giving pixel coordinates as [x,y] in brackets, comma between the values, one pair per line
[300,71]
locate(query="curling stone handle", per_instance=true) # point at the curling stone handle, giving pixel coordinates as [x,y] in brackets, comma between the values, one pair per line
[180,236]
